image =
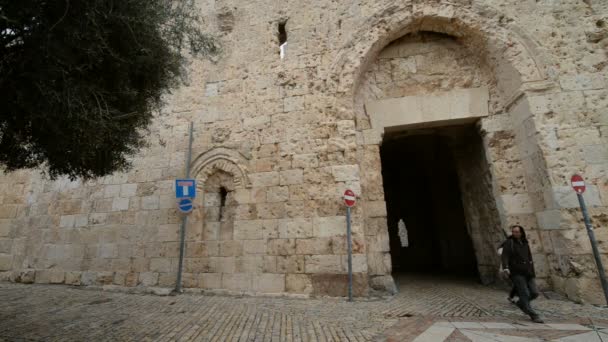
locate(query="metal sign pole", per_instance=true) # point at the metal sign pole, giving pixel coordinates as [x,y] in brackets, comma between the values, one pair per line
[596,252]
[350,255]
[182,231]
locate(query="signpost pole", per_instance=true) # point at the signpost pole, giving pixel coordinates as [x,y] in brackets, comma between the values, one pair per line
[349,199]
[182,231]
[596,253]
[350,255]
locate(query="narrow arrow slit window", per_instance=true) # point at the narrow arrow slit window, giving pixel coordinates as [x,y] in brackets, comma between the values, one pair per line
[282,39]
[223,194]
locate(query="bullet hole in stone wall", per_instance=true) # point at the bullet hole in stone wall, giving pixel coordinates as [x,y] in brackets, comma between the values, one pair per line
[282,33]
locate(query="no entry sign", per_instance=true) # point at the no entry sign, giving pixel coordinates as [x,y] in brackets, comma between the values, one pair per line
[349,198]
[578,184]
[185,205]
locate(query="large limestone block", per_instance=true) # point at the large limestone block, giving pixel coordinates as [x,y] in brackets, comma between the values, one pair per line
[252,229]
[517,203]
[438,108]
[295,228]
[244,212]
[220,264]
[105,278]
[303,161]
[264,179]
[378,243]
[375,225]
[581,290]
[359,262]
[269,264]
[298,283]
[198,249]
[131,279]
[549,219]
[128,190]
[237,281]
[150,202]
[379,263]
[345,173]
[323,264]
[67,221]
[582,81]
[211,230]
[277,194]
[89,278]
[570,241]
[108,250]
[26,276]
[119,278]
[383,284]
[290,177]
[566,197]
[340,244]
[190,280]
[281,247]
[231,248]
[541,265]
[290,264]
[375,208]
[164,279]
[160,265]
[269,283]
[249,264]
[271,210]
[168,232]
[120,204]
[111,191]
[329,226]
[314,246]
[242,195]
[5,228]
[50,276]
[148,278]
[336,285]
[254,246]
[6,262]
[210,280]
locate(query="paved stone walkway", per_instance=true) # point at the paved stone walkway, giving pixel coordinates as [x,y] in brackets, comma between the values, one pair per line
[425,310]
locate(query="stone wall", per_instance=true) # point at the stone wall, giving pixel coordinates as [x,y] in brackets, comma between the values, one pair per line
[287,136]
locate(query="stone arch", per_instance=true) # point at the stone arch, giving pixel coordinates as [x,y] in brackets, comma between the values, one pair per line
[221,159]
[517,63]
[506,47]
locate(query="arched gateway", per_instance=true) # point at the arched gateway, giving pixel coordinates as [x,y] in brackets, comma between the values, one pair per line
[441,93]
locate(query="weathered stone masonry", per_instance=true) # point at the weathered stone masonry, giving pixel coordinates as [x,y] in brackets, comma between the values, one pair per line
[278,140]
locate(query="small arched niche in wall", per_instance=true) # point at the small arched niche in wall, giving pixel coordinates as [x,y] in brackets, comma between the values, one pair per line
[218,207]
[222,181]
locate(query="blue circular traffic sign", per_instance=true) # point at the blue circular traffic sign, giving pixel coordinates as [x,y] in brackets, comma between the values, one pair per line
[185,205]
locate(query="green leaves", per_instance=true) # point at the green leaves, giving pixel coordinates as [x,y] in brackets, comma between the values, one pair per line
[81,79]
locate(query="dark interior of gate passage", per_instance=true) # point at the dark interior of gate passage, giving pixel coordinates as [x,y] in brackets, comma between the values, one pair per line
[426,182]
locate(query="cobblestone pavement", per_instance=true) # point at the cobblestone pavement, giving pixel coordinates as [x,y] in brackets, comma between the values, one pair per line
[425,310]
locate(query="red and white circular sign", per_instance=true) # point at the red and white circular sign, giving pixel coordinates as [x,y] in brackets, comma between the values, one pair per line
[578,184]
[349,198]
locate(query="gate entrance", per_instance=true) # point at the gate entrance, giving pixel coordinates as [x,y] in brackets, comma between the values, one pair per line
[423,174]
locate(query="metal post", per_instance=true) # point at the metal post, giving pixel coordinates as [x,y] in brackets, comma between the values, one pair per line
[596,253]
[182,231]
[350,255]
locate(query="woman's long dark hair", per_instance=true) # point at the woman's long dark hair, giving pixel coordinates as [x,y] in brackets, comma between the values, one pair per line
[522,230]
